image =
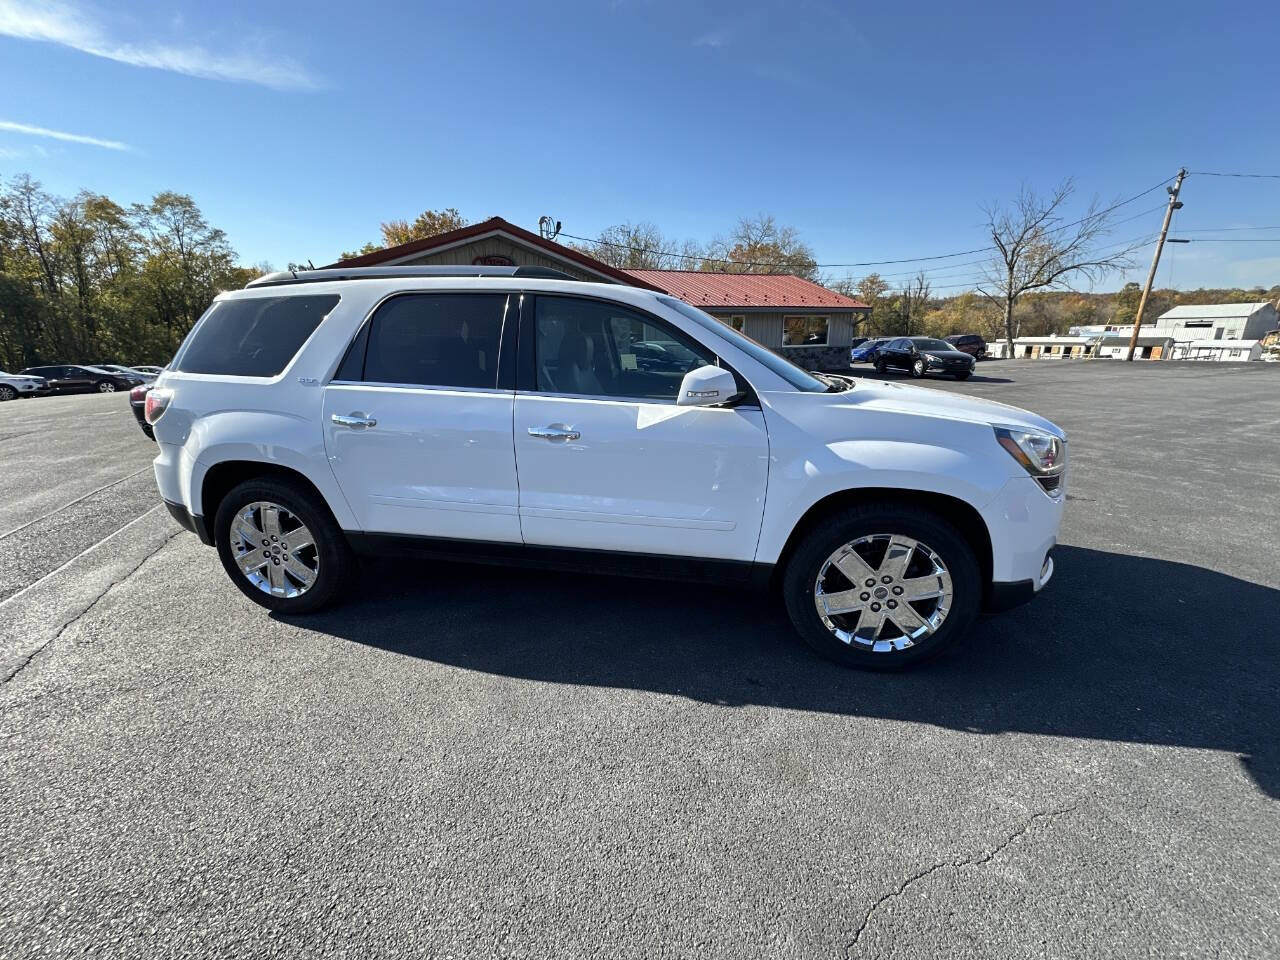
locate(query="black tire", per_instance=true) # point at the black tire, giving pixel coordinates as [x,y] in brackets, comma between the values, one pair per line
[962,376]
[801,574]
[336,562]
[105,386]
[917,368]
[7,392]
[881,367]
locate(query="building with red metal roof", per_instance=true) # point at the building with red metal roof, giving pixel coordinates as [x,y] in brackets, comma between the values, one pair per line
[800,319]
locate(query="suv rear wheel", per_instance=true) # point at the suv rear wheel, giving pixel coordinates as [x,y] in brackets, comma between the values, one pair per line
[881,587]
[281,546]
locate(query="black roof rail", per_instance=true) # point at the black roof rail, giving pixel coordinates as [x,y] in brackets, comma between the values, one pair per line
[286,277]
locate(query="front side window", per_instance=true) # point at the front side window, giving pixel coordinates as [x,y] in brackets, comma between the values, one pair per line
[804,331]
[594,348]
[252,336]
[435,340]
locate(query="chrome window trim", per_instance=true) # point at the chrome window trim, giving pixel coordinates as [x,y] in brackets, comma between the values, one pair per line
[650,401]
[432,388]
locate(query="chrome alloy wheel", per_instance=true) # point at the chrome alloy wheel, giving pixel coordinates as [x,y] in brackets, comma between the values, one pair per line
[106,386]
[883,592]
[274,549]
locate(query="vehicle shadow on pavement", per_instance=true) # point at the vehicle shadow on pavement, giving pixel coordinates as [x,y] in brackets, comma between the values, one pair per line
[1118,648]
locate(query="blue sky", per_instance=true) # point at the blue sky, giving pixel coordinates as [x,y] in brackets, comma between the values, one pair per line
[877,130]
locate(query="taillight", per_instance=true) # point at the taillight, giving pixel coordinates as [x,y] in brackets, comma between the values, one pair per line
[157,404]
[138,392]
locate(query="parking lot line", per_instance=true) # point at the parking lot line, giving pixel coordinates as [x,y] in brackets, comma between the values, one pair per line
[67,506]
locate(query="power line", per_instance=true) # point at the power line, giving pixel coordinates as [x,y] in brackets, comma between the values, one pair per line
[863,263]
[1250,176]
[1225,229]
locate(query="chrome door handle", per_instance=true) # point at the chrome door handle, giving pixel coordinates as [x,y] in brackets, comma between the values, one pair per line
[353,420]
[555,432]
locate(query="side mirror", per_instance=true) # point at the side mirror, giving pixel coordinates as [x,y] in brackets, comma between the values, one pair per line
[707,387]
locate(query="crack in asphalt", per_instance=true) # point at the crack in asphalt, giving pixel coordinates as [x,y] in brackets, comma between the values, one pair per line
[27,660]
[975,861]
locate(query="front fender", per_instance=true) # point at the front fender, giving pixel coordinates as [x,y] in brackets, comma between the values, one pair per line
[797,484]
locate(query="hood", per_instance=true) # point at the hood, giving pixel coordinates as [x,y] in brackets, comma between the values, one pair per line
[951,354]
[922,401]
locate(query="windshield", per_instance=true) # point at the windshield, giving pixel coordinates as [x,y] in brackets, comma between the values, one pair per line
[925,343]
[797,376]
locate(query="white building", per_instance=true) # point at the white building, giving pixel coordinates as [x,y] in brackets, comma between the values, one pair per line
[1217,321]
[1217,350]
[1060,348]
[1151,345]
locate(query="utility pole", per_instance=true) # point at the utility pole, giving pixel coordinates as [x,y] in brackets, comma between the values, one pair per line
[1174,204]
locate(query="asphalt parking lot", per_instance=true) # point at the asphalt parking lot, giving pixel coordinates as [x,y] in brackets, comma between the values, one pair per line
[474,762]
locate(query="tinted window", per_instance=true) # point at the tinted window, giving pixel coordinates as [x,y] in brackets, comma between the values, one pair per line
[594,348]
[924,343]
[253,336]
[436,340]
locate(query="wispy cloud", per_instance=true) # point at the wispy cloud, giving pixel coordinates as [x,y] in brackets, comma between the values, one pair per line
[28,152]
[62,135]
[716,38]
[77,28]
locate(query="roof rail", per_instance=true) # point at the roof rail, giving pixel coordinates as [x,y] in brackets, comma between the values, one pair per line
[283,278]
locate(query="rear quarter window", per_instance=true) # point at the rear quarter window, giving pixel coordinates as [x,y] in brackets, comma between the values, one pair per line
[254,336]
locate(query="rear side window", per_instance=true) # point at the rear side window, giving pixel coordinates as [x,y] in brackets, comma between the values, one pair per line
[435,340]
[253,337]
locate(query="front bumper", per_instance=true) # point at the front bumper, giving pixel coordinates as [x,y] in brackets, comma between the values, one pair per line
[1004,595]
[1023,522]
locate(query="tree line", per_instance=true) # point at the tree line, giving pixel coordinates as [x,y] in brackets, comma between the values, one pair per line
[85,279]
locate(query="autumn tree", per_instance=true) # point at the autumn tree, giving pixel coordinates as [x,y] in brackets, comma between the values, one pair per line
[429,223]
[1035,250]
[84,278]
[761,245]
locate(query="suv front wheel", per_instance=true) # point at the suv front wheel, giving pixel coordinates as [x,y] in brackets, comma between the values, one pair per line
[281,546]
[881,587]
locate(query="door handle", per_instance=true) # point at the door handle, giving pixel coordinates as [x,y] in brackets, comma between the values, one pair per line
[555,432]
[354,420]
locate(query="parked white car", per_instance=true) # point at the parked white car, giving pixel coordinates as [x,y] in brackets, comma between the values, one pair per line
[494,413]
[14,385]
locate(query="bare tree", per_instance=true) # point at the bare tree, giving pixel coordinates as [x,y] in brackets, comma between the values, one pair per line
[915,300]
[761,245]
[641,246]
[1035,250]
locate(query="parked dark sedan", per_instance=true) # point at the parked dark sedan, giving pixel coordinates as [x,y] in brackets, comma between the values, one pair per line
[969,343]
[921,355]
[138,404]
[80,379]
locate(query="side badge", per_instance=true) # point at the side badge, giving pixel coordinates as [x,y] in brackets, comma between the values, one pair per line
[308,381]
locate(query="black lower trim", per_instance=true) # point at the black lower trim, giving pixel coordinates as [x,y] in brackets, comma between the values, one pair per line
[189,521]
[656,566]
[1005,595]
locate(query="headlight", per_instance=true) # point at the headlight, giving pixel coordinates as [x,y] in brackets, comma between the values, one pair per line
[1042,454]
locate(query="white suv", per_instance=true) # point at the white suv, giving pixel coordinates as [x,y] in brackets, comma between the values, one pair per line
[509,415]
